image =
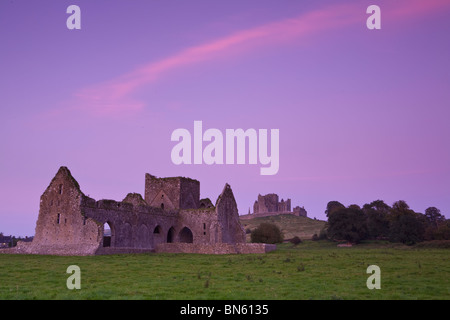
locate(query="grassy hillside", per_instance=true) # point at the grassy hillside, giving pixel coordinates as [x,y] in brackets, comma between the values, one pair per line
[290,225]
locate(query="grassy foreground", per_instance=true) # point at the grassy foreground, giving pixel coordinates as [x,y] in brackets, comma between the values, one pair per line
[311,270]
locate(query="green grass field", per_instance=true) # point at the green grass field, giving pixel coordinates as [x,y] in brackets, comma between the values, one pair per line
[311,270]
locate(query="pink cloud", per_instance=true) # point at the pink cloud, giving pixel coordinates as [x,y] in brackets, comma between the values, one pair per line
[114,97]
[415,8]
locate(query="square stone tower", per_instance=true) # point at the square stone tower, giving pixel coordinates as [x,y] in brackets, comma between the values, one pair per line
[172,193]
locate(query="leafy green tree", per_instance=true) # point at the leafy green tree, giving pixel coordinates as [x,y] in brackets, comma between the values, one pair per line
[405,226]
[333,206]
[377,219]
[443,231]
[435,225]
[434,217]
[398,208]
[406,229]
[347,224]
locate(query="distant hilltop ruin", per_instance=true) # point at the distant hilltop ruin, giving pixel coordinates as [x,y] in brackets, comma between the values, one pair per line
[269,205]
[170,218]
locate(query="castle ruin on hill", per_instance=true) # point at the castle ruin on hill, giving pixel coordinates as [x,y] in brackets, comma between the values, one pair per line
[269,205]
[170,218]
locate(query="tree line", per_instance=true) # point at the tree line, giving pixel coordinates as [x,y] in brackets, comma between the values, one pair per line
[377,220]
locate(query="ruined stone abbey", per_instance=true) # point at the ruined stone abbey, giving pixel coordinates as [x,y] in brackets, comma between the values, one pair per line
[171,218]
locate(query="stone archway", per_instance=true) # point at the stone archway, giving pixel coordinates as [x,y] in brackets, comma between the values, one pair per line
[186,235]
[108,235]
[171,235]
[126,235]
[143,237]
[158,236]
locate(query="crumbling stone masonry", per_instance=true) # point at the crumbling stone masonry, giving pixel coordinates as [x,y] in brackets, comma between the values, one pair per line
[171,218]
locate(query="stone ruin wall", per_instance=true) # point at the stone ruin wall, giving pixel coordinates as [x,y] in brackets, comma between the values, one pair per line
[61,227]
[172,193]
[70,223]
[162,193]
[131,226]
[270,203]
[189,193]
[228,217]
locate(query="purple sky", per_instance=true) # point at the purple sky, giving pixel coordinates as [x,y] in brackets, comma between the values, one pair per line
[363,114]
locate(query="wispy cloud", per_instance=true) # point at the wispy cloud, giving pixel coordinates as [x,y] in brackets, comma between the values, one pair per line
[115,97]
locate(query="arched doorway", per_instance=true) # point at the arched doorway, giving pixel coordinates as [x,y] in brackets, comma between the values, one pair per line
[158,236]
[157,230]
[143,237]
[126,236]
[171,235]
[107,235]
[186,235]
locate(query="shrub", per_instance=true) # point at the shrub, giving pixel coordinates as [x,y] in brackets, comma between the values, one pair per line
[267,233]
[295,240]
[323,234]
[406,229]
